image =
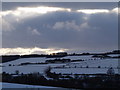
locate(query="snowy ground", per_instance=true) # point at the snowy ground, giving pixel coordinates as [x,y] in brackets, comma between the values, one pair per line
[24,60]
[114,55]
[28,68]
[12,85]
[75,67]
[80,67]
[83,71]
[88,66]
[96,63]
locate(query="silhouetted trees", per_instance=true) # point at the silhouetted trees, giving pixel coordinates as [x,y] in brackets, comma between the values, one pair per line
[78,82]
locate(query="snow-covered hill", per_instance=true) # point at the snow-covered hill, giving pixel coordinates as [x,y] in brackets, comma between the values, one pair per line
[24,60]
[70,67]
[13,85]
[97,62]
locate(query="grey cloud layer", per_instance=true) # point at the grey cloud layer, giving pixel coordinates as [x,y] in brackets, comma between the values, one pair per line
[72,5]
[61,29]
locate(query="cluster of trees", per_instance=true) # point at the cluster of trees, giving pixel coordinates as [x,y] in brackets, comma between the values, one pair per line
[58,61]
[29,63]
[62,61]
[33,55]
[85,81]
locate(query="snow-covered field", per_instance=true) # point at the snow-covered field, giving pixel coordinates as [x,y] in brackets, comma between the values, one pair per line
[12,85]
[95,63]
[85,57]
[24,60]
[114,55]
[73,67]
[80,67]
[29,68]
[83,70]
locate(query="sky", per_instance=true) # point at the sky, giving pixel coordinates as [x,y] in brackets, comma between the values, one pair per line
[73,27]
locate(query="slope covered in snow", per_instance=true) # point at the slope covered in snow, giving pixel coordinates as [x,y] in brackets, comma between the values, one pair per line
[24,60]
[96,63]
[83,71]
[29,68]
[70,67]
[89,67]
[13,85]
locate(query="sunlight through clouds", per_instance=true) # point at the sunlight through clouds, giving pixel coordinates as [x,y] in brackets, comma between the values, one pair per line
[59,26]
[23,51]
[116,10]
[30,11]
[93,11]
[41,10]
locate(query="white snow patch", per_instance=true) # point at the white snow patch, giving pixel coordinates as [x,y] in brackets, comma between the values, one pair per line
[13,85]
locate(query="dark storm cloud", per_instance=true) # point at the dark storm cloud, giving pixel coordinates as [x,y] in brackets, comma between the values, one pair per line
[44,25]
[97,31]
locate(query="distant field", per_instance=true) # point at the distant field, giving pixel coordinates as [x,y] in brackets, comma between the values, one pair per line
[88,66]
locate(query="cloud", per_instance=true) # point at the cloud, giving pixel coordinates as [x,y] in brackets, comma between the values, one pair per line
[72,5]
[20,14]
[62,29]
[6,26]
[23,51]
[84,26]
[59,25]
[35,31]
[12,17]
[32,11]
[115,10]
[69,25]
[72,25]
[93,11]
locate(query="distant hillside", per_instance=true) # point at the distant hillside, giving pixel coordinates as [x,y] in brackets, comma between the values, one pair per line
[8,58]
